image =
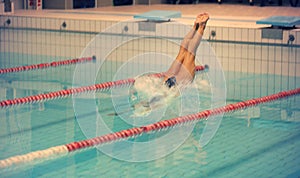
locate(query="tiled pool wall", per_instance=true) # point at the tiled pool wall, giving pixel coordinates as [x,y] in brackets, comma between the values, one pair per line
[241,52]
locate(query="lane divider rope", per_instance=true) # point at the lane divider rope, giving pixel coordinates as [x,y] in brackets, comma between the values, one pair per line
[74,91]
[47,65]
[62,150]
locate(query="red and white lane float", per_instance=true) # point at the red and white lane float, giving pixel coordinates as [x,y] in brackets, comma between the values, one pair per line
[62,150]
[48,65]
[73,91]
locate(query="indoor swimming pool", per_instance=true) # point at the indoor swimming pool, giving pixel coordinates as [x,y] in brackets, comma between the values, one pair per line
[261,140]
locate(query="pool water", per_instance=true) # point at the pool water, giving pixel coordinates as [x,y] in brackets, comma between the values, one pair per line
[262,141]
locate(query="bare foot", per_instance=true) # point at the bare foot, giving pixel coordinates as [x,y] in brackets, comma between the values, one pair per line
[202,18]
[196,22]
[201,22]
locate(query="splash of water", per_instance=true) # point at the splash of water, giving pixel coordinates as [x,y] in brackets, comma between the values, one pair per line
[150,93]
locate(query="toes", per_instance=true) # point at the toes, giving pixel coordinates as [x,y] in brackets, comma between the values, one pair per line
[200,15]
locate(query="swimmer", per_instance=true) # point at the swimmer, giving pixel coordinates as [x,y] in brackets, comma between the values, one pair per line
[182,70]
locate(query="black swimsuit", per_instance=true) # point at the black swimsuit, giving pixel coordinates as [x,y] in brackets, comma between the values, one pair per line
[170,82]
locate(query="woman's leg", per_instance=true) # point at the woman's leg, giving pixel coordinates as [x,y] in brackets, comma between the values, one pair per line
[177,63]
[187,71]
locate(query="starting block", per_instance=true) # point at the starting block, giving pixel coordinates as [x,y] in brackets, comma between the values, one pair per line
[280,21]
[158,15]
[278,24]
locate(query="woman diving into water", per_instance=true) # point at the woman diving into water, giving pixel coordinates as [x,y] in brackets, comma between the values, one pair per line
[182,70]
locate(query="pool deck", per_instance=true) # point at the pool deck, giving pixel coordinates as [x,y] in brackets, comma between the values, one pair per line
[227,15]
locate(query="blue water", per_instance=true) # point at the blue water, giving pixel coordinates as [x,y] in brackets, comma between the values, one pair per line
[266,145]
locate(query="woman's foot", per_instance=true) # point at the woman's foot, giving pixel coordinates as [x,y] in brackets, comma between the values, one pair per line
[201,20]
